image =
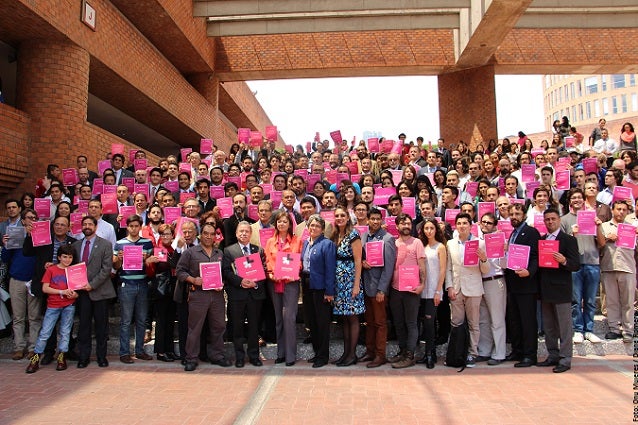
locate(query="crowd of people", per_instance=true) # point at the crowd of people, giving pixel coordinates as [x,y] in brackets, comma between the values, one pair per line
[514,239]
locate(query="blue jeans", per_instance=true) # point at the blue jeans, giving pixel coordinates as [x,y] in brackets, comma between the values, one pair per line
[133,300]
[585,286]
[51,316]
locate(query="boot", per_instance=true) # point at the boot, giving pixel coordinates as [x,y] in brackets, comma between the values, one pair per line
[408,361]
[430,359]
[34,364]
[61,362]
[398,357]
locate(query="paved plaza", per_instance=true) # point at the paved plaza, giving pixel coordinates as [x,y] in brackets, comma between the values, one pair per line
[598,390]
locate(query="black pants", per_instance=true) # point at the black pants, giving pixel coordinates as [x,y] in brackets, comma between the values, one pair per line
[521,313]
[165,309]
[320,312]
[246,309]
[89,312]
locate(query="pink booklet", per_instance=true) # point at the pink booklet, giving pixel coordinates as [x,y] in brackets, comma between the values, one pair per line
[42,207]
[129,182]
[76,277]
[98,187]
[185,196]
[409,278]
[336,137]
[562,180]
[70,176]
[252,211]
[275,198]
[287,266]
[391,227]
[546,250]
[539,224]
[517,256]
[506,227]
[133,258]
[76,222]
[590,165]
[586,222]
[471,188]
[171,185]
[161,254]
[184,152]
[328,216]
[495,245]
[217,192]
[225,206]
[374,253]
[373,145]
[243,135]
[382,194]
[470,256]
[528,172]
[271,133]
[250,267]
[140,164]
[626,236]
[109,203]
[409,206]
[206,146]
[622,193]
[103,166]
[211,274]
[362,229]
[126,211]
[484,208]
[142,188]
[450,217]
[265,234]
[171,214]
[41,233]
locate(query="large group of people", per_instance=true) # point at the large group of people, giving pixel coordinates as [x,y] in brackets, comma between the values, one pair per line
[408,238]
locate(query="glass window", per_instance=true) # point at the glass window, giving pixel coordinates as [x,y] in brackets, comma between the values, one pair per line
[605,106]
[591,85]
[566,92]
[623,103]
[588,109]
[618,81]
[573,116]
[614,105]
[548,81]
[634,102]
[596,108]
[572,90]
[579,87]
[632,80]
[603,82]
[581,113]
[560,95]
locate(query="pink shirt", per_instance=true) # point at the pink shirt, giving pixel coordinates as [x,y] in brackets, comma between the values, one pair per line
[408,254]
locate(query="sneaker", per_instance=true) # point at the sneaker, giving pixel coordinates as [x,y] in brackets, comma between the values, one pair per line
[591,337]
[34,364]
[471,361]
[578,338]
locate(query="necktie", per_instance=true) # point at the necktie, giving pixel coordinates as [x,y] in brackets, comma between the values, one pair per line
[246,252]
[153,190]
[85,254]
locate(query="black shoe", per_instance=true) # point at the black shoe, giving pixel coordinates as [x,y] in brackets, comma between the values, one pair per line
[348,362]
[526,362]
[103,362]
[547,362]
[512,357]
[429,361]
[164,358]
[319,363]
[339,360]
[495,362]
[256,362]
[480,359]
[612,335]
[190,366]
[47,358]
[290,363]
[223,362]
[83,363]
[239,363]
[171,355]
[561,368]
[280,360]
[312,359]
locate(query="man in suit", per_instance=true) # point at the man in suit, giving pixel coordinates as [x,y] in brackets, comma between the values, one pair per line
[123,199]
[117,164]
[230,224]
[522,289]
[244,294]
[92,302]
[556,294]
[376,285]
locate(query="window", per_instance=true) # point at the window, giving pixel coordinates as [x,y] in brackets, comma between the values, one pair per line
[604,82]
[566,92]
[591,85]
[573,116]
[632,80]
[548,81]
[618,81]
[581,113]
[614,105]
[634,102]
[588,109]
[579,87]
[572,90]
[596,108]
[605,106]
[623,103]
[560,95]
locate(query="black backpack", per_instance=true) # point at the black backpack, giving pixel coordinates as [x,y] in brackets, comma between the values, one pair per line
[458,347]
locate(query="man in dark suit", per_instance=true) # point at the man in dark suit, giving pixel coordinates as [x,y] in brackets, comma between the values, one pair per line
[92,303]
[522,288]
[230,224]
[556,294]
[117,164]
[244,294]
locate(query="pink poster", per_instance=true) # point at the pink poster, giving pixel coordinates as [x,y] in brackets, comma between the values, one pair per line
[256,139]
[109,203]
[474,229]
[409,278]
[626,236]
[184,152]
[275,198]
[336,137]
[265,234]
[171,185]
[206,146]
[590,165]
[42,207]
[217,192]
[129,182]
[517,256]
[126,211]
[562,180]
[331,176]
[495,245]
[185,196]
[288,149]
[341,177]
[537,151]
[252,211]
[397,175]
[140,164]
[470,255]
[355,178]
[361,229]
[539,224]
[226,207]
[234,179]
[267,187]
[528,172]
[471,188]
[102,166]
[211,274]
[391,227]
[586,221]
[303,173]
[373,145]
[41,233]
[569,142]
[271,133]
[374,253]
[328,216]
[76,222]
[386,146]
[161,253]
[546,250]
[76,277]
[185,167]
[133,257]
[250,267]
[109,188]
[622,193]
[83,206]
[409,206]
[353,166]
[171,214]
[243,135]
[530,188]
[131,155]
[311,180]
[141,188]
[505,226]
[287,266]
[397,147]
[484,208]
[450,216]
[70,176]
[308,147]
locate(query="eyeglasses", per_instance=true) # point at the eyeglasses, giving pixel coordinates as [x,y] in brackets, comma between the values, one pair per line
[30,217]
[167,235]
[487,223]
[212,223]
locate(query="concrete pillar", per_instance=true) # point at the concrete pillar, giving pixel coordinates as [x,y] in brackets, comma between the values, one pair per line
[467,106]
[53,81]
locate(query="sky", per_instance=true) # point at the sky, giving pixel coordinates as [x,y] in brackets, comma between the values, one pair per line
[389,105]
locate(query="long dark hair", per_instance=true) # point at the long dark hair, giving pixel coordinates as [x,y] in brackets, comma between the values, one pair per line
[438,234]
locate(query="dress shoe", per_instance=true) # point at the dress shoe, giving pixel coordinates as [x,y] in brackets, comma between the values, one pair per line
[348,362]
[83,363]
[280,360]
[406,361]
[319,363]
[290,364]
[422,359]
[61,362]
[46,359]
[190,366]
[512,357]
[429,361]
[312,359]
[378,361]
[495,362]
[171,355]
[34,364]
[526,362]
[612,335]
[143,356]
[480,359]
[339,360]
[103,362]
[397,357]
[547,362]
[127,359]
[239,363]
[561,368]
[164,358]
[223,362]
[256,362]
[18,355]
[367,357]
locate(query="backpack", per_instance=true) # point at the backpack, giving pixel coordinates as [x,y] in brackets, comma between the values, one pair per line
[458,346]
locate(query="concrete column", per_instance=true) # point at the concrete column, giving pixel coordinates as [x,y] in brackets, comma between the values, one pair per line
[467,106]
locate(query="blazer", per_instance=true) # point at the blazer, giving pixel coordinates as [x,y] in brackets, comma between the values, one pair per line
[232,281]
[525,285]
[556,284]
[378,279]
[43,254]
[465,279]
[323,264]
[98,268]
[124,173]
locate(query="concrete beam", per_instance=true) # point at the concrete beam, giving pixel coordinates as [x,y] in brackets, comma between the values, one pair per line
[595,17]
